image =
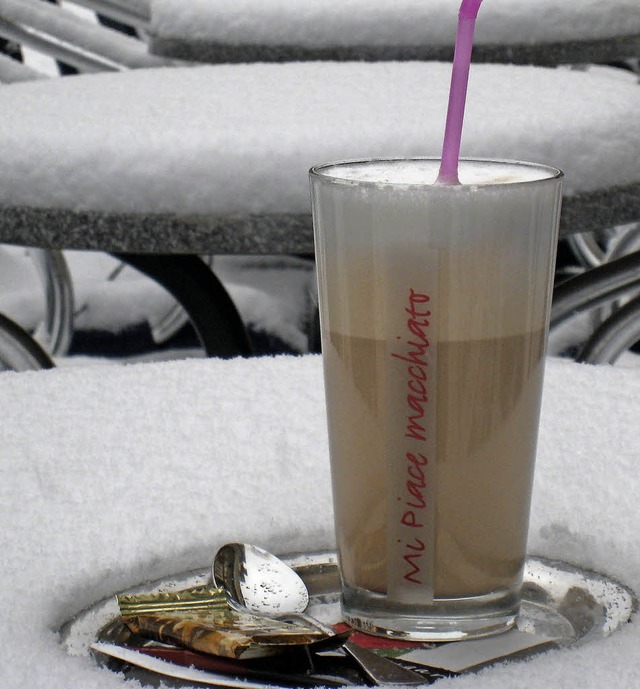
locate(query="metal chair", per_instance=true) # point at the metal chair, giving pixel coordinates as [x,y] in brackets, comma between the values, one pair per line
[603,285]
[18,350]
[73,40]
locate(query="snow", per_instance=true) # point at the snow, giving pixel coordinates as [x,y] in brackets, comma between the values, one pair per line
[112,475]
[402,22]
[240,138]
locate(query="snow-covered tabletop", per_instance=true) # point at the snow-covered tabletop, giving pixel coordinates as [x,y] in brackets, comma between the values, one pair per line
[206,26]
[239,139]
[112,475]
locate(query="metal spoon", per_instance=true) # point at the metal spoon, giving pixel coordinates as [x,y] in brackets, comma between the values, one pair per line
[258,581]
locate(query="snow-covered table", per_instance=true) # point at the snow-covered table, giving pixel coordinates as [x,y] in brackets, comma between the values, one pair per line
[213,159]
[112,475]
[514,31]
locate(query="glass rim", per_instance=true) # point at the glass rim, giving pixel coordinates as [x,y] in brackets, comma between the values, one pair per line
[316,172]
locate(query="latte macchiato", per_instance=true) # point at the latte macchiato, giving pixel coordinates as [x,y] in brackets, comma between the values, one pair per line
[434,307]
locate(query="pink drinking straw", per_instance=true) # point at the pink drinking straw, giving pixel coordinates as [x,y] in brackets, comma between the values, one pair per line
[458,92]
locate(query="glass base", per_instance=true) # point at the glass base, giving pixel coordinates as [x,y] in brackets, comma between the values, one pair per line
[447,619]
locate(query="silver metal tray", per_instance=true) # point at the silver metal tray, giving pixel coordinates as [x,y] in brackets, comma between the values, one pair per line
[563,606]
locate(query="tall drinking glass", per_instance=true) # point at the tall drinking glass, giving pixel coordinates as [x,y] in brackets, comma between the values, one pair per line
[434,307]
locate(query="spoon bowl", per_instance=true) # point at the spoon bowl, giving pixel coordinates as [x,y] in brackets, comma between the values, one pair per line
[255,580]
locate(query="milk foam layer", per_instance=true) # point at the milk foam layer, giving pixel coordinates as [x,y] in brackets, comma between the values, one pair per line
[425,171]
[476,250]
